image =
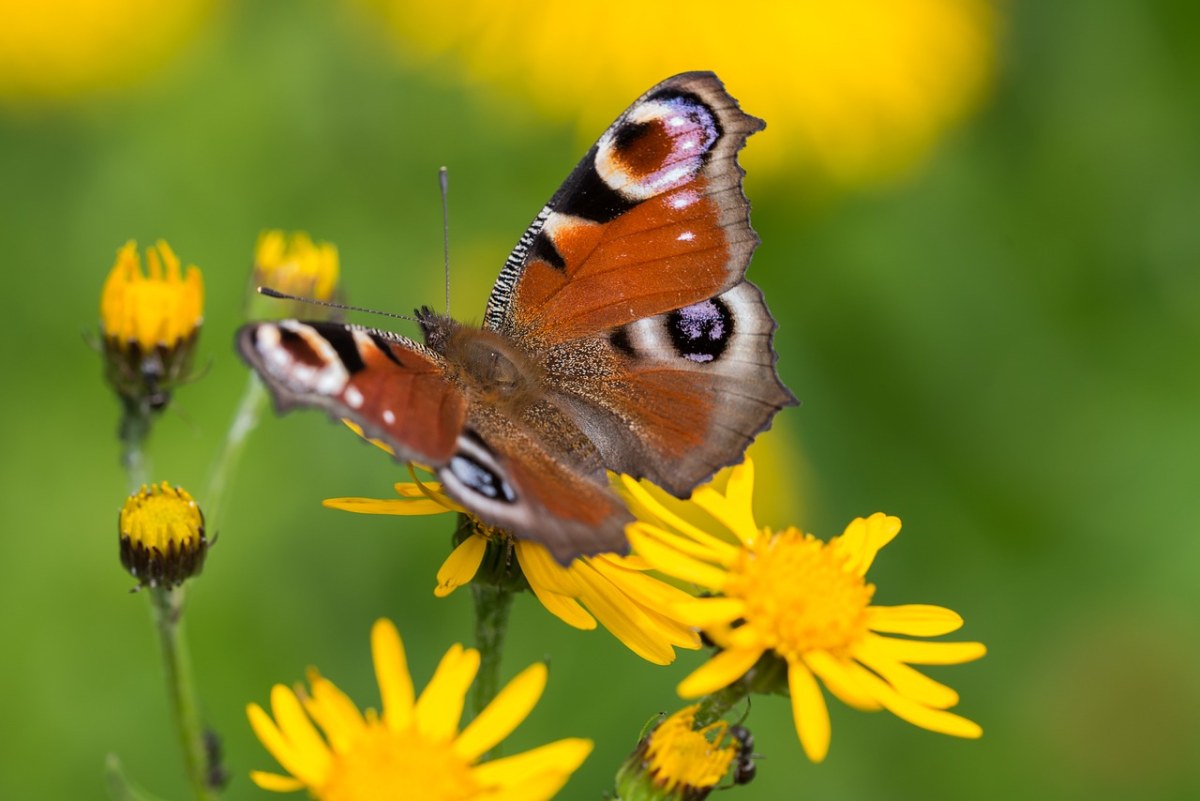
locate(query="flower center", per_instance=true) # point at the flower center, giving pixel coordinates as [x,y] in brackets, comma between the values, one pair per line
[799,594]
[162,517]
[386,765]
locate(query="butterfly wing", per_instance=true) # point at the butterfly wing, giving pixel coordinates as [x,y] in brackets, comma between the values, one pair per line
[653,218]
[630,283]
[394,388]
[409,397]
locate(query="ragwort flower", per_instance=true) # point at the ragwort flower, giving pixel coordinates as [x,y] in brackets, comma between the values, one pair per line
[150,324]
[294,265]
[413,748]
[676,761]
[161,533]
[790,596]
[614,589]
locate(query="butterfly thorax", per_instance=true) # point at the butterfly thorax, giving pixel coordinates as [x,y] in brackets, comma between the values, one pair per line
[488,365]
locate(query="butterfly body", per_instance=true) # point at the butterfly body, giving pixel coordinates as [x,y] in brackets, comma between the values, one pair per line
[621,335]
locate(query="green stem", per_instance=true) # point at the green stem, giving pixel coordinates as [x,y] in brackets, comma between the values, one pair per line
[168,610]
[245,420]
[492,605]
[133,431]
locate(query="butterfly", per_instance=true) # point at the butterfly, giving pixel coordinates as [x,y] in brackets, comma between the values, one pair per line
[620,335]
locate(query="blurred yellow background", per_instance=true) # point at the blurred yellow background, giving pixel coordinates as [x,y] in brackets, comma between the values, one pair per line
[981,241]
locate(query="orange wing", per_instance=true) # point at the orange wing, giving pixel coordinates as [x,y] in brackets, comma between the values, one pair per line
[652,219]
[395,389]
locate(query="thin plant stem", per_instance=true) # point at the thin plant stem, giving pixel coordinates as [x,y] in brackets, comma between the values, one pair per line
[136,422]
[492,605]
[495,583]
[167,604]
[119,787]
[245,420]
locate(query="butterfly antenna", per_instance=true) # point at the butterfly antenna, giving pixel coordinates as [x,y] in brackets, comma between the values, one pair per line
[444,183]
[274,293]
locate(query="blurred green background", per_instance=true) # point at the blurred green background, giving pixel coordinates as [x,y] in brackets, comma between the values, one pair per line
[999,345]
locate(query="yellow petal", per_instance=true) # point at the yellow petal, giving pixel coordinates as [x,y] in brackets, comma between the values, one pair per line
[907,709]
[275,782]
[391,672]
[809,712]
[385,506]
[644,505]
[440,706]
[723,669]
[662,553]
[564,608]
[917,652]
[705,612]
[432,490]
[909,682]
[915,620]
[461,565]
[542,787]
[334,712]
[280,747]
[561,757]
[737,518]
[505,712]
[677,633]
[863,539]
[654,597]
[650,591]
[840,681]
[621,616]
[541,568]
[302,752]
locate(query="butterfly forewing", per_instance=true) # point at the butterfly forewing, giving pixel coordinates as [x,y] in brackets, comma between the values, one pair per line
[652,219]
[392,387]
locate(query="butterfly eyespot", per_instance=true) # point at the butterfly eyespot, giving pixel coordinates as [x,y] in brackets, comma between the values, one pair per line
[660,146]
[478,478]
[702,331]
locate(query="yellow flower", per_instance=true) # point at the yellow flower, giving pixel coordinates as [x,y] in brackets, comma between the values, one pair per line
[150,324]
[631,604]
[412,748]
[159,310]
[854,90]
[54,49]
[789,595]
[294,265]
[161,533]
[677,761]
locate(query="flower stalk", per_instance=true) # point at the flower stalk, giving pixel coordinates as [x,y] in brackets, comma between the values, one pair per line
[167,606]
[245,420]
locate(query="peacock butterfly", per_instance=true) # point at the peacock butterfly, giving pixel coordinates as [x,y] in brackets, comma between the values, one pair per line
[620,335]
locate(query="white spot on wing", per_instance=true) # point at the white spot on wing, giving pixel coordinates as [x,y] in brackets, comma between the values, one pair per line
[686,236]
[389,416]
[354,398]
[328,379]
